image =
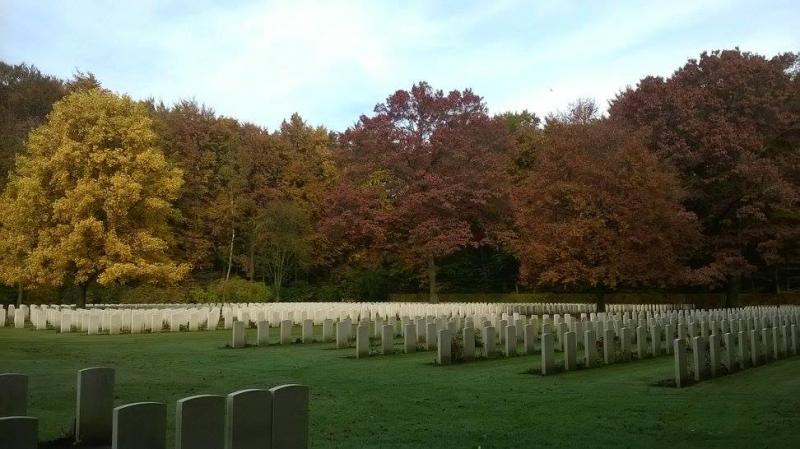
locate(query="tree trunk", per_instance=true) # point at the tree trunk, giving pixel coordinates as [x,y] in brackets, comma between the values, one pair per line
[230,253]
[732,294]
[251,272]
[600,297]
[82,297]
[433,296]
[20,294]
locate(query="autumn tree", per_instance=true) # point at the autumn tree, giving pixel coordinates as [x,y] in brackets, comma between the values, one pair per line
[26,97]
[599,212]
[422,178]
[285,238]
[99,192]
[730,123]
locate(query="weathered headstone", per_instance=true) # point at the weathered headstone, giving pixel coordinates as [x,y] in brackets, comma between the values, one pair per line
[529,339]
[589,352]
[94,406]
[19,432]
[609,347]
[755,347]
[430,336]
[248,420]
[141,425]
[286,332]
[444,342]
[410,338]
[200,422]
[308,331]
[262,333]
[290,416]
[795,342]
[548,354]
[570,351]
[362,341]
[327,330]
[655,342]
[699,358]
[744,353]
[729,353]
[469,343]
[681,365]
[239,340]
[624,339]
[387,339]
[488,340]
[13,394]
[714,354]
[510,341]
[342,334]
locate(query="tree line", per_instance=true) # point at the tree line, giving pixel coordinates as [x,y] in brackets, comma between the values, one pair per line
[689,181]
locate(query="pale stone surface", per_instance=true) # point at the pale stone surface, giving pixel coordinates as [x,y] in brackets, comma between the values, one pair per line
[699,358]
[19,319]
[13,395]
[510,341]
[262,333]
[362,341]
[776,343]
[141,425]
[248,420]
[94,407]
[286,332]
[308,331]
[238,340]
[469,343]
[19,432]
[681,365]
[200,422]
[327,330]
[290,415]
[624,339]
[743,348]
[655,342]
[714,354]
[430,336]
[410,338]
[529,339]
[669,331]
[444,342]
[570,351]
[488,339]
[755,347]
[609,347]
[342,334]
[548,354]
[795,341]
[641,343]
[590,350]
[387,339]
[729,354]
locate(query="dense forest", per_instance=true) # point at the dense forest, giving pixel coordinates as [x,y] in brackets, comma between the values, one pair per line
[689,182]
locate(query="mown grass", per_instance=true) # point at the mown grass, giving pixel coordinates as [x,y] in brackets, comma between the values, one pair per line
[404,401]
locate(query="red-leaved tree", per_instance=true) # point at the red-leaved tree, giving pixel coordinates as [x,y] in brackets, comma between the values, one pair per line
[730,123]
[421,178]
[598,211]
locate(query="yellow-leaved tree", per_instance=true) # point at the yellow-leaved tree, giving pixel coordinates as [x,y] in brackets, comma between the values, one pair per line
[90,199]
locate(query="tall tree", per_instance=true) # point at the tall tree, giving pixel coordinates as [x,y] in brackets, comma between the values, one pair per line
[597,211]
[103,193]
[730,122]
[26,97]
[423,177]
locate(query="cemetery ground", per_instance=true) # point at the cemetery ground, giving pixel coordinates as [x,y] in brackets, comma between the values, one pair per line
[404,400]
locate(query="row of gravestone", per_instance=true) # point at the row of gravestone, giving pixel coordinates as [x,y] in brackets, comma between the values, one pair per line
[246,419]
[733,352]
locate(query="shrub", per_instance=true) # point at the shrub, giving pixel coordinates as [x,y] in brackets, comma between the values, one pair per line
[236,289]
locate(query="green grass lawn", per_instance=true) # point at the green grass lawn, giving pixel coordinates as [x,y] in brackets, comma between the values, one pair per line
[405,401]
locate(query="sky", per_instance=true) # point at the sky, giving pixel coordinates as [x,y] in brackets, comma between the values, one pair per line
[332,61]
